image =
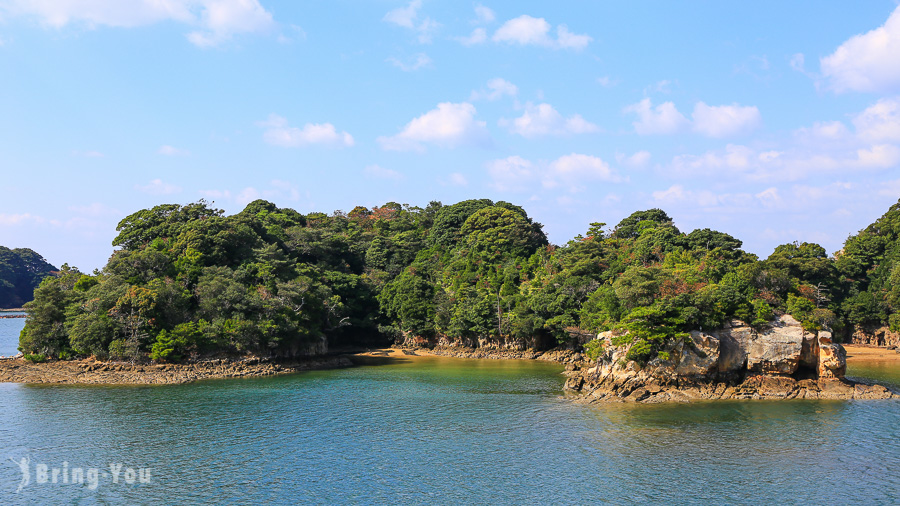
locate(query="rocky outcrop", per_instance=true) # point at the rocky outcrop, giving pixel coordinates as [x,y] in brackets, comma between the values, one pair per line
[876,336]
[735,362]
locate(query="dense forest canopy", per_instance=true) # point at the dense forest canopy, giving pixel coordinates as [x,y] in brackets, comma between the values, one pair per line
[21,271]
[189,280]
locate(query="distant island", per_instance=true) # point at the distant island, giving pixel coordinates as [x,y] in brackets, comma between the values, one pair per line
[21,271]
[186,282]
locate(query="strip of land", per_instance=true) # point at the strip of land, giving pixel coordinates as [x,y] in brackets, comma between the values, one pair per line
[858,353]
[91,372]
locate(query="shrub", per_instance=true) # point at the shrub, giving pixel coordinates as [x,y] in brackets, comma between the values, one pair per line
[593,349]
[117,349]
[894,322]
[35,357]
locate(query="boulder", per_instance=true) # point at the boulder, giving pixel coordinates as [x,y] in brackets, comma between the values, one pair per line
[700,357]
[778,349]
[734,340]
[832,359]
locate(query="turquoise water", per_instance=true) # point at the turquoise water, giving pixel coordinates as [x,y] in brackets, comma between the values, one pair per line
[442,431]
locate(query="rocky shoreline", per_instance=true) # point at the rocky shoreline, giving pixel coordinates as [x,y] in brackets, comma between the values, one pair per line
[552,355]
[92,372]
[782,361]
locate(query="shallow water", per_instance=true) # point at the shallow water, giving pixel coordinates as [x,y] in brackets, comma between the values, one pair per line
[9,333]
[436,430]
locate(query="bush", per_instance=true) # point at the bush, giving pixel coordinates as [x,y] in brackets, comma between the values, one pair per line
[762,313]
[593,349]
[894,322]
[35,357]
[117,349]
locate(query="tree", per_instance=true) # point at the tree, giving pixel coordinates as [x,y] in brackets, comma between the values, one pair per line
[21,271]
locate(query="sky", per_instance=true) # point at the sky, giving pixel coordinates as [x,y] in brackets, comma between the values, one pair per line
[771,121]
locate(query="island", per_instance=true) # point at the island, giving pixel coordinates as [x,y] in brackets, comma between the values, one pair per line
[679,315]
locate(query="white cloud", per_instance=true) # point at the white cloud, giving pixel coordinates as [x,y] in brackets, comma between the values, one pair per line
[769,197]
[734,159]
[247,195]
[404,16]
[172,151]
[677,194]
[216,20]
[286,187]
[484,14]
[880,156]
[516,174]
[510,174]
[216,194]
[418,61]
[798,62]
[478,36]
[158,187]
[19,219]
[868,62]
[638,159]
[378,172]
[543,119]
[278,133]
[826,130]
[449,125]
[408,17]
[458,179]
[725,120]
[659,87]
[220,19]
[880,121]
[607,82]
[663,119]
[574,169]
[497,88]
[526,30]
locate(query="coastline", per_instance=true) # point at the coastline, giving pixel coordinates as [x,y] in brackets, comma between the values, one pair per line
[93,372]
[861,353]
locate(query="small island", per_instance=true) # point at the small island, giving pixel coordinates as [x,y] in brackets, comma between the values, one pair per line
[640,311]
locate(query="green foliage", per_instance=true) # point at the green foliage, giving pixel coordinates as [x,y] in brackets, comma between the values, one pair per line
[35,357]
[894,321]
[190,280]
[593,349]
[21,271]
[632,226]
[172,345]
[649,329]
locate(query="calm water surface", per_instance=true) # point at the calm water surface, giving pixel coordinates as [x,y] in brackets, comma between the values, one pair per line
[442,431]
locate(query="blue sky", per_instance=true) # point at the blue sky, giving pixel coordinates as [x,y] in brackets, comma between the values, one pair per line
[771,121]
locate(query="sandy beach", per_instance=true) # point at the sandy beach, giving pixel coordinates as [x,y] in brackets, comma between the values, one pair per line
[859,353]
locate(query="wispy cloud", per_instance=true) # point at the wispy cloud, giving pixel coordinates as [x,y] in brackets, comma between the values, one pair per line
[279,133]
[158,187]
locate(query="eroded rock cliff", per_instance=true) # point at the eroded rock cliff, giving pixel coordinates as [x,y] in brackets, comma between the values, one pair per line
[876,336]
[735,362]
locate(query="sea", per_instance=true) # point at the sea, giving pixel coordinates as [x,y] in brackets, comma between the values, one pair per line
[434,431]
